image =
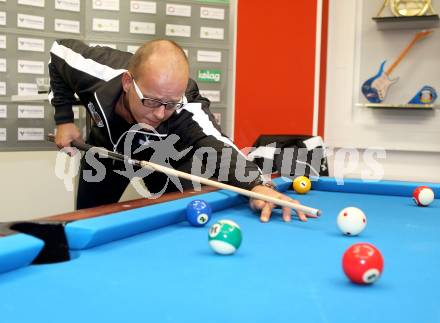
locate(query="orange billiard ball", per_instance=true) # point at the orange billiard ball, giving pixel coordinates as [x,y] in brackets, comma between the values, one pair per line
[301,185]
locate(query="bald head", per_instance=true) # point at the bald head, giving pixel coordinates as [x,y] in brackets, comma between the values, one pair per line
[158,70]
[163,57]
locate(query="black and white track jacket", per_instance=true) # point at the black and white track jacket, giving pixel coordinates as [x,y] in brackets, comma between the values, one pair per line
[94,74]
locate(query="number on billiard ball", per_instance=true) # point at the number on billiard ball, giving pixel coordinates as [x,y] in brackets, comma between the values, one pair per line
[362,263]
[198,213]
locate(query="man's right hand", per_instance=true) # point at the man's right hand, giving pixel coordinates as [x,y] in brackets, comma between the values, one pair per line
[65,134]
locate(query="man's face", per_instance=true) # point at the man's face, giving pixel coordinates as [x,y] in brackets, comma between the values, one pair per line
[165,86]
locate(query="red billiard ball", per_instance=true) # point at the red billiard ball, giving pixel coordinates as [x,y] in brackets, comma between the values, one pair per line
[362,263]
[423,196]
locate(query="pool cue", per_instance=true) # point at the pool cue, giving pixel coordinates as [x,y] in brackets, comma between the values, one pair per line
[170,171]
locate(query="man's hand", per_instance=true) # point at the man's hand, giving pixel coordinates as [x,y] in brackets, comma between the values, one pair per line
[266,207]
[66,133]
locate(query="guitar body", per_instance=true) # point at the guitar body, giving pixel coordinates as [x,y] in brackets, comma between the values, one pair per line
[375,89]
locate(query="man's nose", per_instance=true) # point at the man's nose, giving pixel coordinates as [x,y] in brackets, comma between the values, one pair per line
[159,113]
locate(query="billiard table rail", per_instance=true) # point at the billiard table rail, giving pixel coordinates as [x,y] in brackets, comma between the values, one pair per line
[89,228]
[52,239]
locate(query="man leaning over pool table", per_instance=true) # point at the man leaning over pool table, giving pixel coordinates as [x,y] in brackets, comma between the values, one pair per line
[150,89]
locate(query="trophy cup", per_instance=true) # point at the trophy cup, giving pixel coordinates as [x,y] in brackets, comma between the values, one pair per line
[408,8]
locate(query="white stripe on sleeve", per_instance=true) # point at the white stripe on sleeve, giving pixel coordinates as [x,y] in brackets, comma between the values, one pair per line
[85,65]
[207,126]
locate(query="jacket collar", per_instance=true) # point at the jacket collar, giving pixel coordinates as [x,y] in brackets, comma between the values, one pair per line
[108,94]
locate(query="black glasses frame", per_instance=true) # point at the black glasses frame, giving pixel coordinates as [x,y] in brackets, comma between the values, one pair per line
[154,103]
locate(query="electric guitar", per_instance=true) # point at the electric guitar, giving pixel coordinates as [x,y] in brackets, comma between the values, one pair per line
[375,89]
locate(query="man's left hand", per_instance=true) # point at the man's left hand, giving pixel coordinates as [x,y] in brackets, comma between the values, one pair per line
[267,207]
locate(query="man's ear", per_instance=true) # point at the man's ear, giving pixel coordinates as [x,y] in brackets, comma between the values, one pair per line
[126,81]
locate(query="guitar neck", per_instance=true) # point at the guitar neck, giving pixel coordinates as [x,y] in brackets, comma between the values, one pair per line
[403,54]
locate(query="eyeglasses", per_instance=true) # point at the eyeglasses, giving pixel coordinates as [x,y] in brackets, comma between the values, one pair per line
[156,103]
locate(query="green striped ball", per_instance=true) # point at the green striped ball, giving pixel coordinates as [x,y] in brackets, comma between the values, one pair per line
[225,237]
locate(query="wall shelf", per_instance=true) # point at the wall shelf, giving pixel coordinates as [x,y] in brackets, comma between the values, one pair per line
[413,22]
[407,106]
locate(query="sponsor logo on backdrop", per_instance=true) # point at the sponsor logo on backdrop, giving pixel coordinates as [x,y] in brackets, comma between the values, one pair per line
[212,76]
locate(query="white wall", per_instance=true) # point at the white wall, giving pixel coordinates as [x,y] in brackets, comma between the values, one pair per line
[411,138]
[30,188]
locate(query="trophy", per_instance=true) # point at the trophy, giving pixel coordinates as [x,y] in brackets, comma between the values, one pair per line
[408,8]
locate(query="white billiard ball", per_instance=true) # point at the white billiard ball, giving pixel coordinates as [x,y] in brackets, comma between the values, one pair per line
[351,221]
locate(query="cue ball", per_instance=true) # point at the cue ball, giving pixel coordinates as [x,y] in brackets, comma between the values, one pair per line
[351,221]
[198,213]
[423,196]
[362,263]
[225,237]
[301,185]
